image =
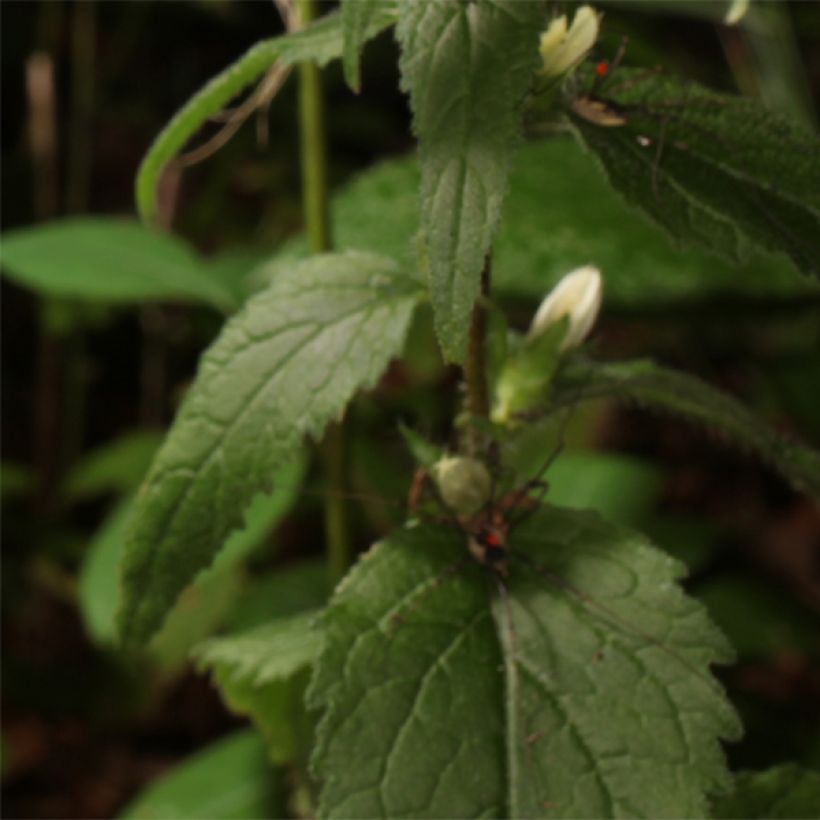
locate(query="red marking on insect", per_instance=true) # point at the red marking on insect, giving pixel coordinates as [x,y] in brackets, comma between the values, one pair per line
[492,540]
[602,69]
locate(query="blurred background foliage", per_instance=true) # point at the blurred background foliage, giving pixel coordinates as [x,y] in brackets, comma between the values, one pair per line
[103,325]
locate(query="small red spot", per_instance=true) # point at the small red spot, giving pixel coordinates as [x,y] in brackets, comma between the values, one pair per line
[602,69]
[492,540]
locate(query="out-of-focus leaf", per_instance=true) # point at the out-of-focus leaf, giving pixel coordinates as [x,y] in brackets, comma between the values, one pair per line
[714,169]
[116,467]
[467,68]
[283,368]
[357,28]
[760,621]
[231,778]
[670,391]
[109,260]
[583,691]
[560,213]
[285,591]
[787,791]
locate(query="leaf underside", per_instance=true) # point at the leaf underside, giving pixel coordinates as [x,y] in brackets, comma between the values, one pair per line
[649,385]
[467,68]
[579,688]
[713,169]
[281,369]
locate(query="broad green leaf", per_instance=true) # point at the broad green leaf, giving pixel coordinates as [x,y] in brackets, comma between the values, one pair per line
[118,466]
[357,18]
[320,43]
[467,68]
[262,673]
[281,369]
[231,778]
[560,213]
[647,384]
[787,791]
[207,601]
[109,260]
[580,687]
[713,169]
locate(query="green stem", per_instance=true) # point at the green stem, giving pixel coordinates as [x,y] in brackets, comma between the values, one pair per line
[317,223]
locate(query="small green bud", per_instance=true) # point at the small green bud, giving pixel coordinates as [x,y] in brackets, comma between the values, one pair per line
[464,483]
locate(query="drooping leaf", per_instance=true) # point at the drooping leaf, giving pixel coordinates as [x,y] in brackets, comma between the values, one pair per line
[660,388]
[467,67]
[581,690]
[231,778]
[787,791]
[281,369]
[262,673]
[357,17]
[560,213]
[109,260]
[321,42]
[714,169]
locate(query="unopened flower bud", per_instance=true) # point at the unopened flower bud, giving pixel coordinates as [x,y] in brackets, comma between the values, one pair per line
[736,12]
[560,48]
[464,483]
[578,297]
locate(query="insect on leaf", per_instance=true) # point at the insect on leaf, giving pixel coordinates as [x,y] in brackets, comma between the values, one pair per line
[467,67]
[282,368]
[578,687]
[713,169]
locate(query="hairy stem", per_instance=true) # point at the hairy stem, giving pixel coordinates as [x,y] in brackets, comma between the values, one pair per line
[317,223]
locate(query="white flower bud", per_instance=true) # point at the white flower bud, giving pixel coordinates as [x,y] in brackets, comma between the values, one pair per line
[577,296]
[464,483]
[561,49]
[736,12]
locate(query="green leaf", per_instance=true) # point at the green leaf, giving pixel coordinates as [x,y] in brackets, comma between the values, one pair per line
[206,602]
[231,778]
[680,394]
[561,213]
[118,466]
[263,673]
[108,260]
[786,791]
[320,43]
[358,28]
[467,67]
[714,169]
[582,690]
[282,368]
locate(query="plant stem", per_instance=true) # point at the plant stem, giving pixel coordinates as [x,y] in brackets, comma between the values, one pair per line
[317,222]
[475,368]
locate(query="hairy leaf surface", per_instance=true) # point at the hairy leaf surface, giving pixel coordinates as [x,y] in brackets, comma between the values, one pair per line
[320,43]
[467,67]
[655,387]
[581,688]
[714,169]
[282,368]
